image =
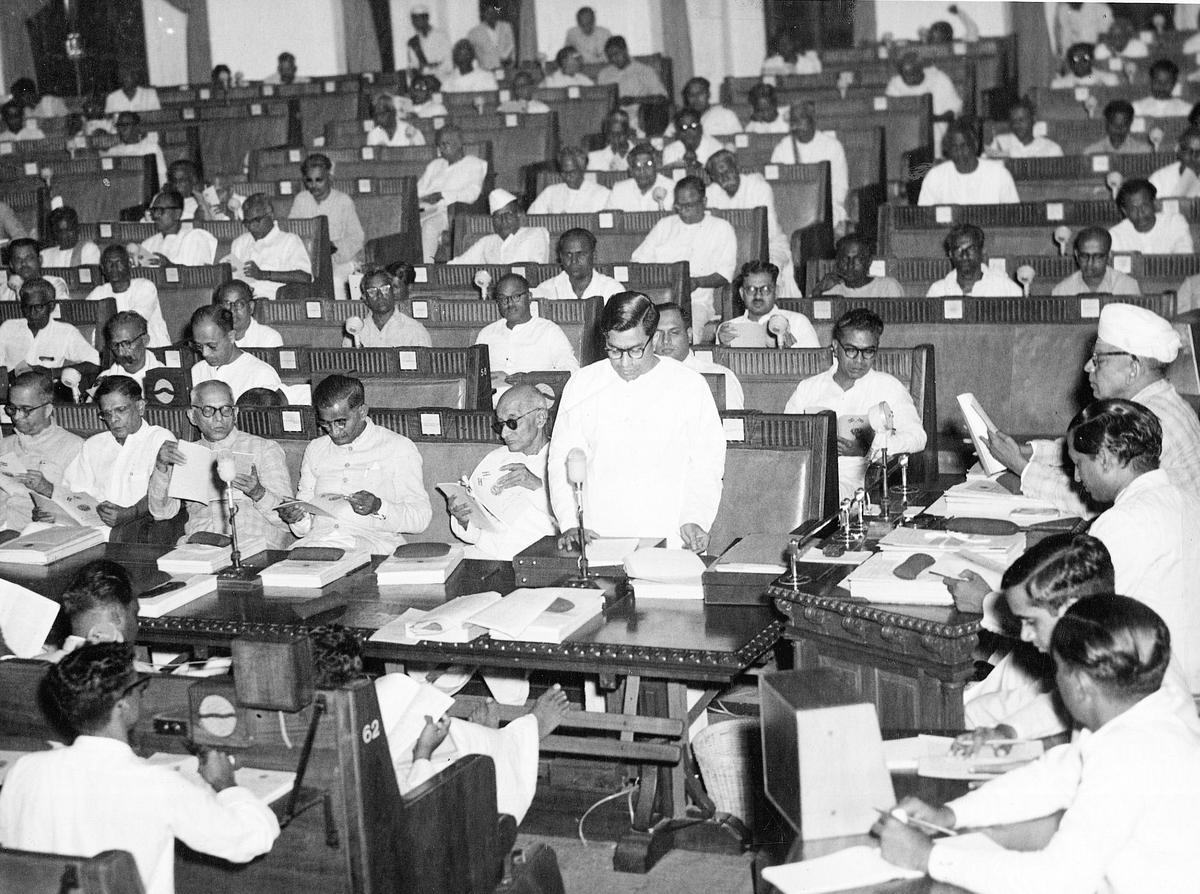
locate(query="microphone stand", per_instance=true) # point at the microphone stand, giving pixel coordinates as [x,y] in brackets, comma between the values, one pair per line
[582,580]
[236,571]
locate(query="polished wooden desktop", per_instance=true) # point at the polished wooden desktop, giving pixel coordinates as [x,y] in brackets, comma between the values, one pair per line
[645,653]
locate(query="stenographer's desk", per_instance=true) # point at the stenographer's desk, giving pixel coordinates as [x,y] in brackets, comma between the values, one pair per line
[646,655]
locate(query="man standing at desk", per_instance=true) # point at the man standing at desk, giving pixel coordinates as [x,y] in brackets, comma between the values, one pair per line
[377,471]
[37,452]
[652,437]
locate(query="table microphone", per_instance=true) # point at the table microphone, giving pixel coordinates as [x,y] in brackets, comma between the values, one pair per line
[354,325]
[1113,181]
[1025,276]
[1062,235]
[659,194]
[577,475]
[227,471]
[72,379]
[778,326]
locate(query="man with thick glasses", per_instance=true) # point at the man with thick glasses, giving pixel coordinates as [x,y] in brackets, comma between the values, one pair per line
[652,437]
[262,482]
[386,326]
[34,457]
[510,482]
[38,340]
[372,473]
[851,387]
[125,333]
[1093,256]
[131,293]
[266,257]
[648,189]
[173,243]
[212,338]
[1134,348]
[778,328]
[520,342]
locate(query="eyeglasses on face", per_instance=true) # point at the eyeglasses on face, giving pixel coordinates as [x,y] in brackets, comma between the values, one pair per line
[853,352]
[508,299]
[127,344]
[1097,356]
[498,424]
[634,353]
[160,210]
[15,411]
[378,292]
[208,412]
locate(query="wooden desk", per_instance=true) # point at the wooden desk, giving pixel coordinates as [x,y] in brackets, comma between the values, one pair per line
[646,656]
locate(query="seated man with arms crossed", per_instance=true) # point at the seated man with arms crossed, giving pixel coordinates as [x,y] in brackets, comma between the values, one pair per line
[520,342]
[96,794]
[511,480]
[1128,786]
[377,471]
[675,341]
[579,278]
[1093,253]
[174,243]
[851,387]
[212,338]
[131,293]
[511,242]
[126,335]
[38,445]
[386,326]
[237,298]
[265,256]
[650,432]
[257,490]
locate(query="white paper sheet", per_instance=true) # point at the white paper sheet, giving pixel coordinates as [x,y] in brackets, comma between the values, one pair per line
[605,552]
[25,618]
[855,867]
[194,478]
[509,616]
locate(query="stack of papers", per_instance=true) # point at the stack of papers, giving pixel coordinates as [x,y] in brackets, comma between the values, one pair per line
[402,568]
[49,544]
[755,554]
[855,867]
[987,498]
[201,558]
[312,574]
[266,785]
[659,573]
[936,543]
[875,580]
[174,594]
[993,759]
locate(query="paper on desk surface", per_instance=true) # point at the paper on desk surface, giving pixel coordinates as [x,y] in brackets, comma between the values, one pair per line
[604,552]
[511,615]
[25,618]
[849,557]
[854,867]
[902,755]
[266,785]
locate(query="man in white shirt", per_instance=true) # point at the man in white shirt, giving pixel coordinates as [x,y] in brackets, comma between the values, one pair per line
[429,48]
[1080,23]
[36,339]
[68,250]
[964,248]
[717,121]
[692,150]
[635,80]
[126,334]
[96,795]
[285,71]
[511,242]
[25,91]
[765,114]
[588,38]
[493,39]
[114,467]
[1127,786]
[38,451]
[764,325]
[130,97]
[452,177]
[1080,72]
[695,235]
[134,143]
[376,470]
[651,435]
[266,257]
[510,481]
[569,70]
[789,57]
[1120,43]
[648,189]
[184,177]
[236,297]
[25,264]
[915,80]
[730,188]
[129,293]
[1021,141]
[212,338]
[467,77]
[1145,230]
[388,130]
[576,194]
[618,141]
[1134,348]
[262,481]
[675,341]
[320,199]
[422,100]
[806,145]
[519,342]
[965,178]
[16,126]
[852,387]
[1162,101]
[579,279]
[1119,138]
[522,100]
[1181,179]
[174,243]
[1093,251]
[851,273]
[386,326]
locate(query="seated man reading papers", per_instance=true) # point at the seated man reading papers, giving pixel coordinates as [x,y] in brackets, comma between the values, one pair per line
[366,478]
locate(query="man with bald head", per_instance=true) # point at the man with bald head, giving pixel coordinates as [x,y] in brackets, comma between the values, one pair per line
[452,177]
[1093,257]
[265,256]
[575,194]
[520,342]
[261,484]
[35,455]
[510,481]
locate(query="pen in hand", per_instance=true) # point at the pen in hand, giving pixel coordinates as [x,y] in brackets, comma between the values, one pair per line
[901,816]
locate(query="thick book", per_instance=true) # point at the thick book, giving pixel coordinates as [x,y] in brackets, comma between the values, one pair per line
[50,544]
[304,573]
[204,558]
[175,594]
[541,614]
[420,563]
[875,580]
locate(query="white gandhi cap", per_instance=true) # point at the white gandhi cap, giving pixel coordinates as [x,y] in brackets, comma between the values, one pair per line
[499,198]
[1139,331]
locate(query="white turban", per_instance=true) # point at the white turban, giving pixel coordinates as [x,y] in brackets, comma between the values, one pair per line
[1139,331]
[499,198]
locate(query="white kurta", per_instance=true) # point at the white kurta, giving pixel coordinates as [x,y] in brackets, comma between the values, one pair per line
[88,254]
[779,125]
[993,285]
[1006,145]
[277,252]
[56,345]
[458,182]
[493,46]
[626,196]
[1131,791]
[558,198]
[755,192]
[116,369]
[523,107]
[400,330]
[1114,283]
[709,247]
[379,461]
[806,63]
[735,398]
[405,135]
[112,472]
[558,288]
[1097,78]
[50,451]
[61,291]
[1188,296]
[190,247]
[536,345]
[142,297]
[97,795]
[878,287]
[524,514]
[526,244]
[345,229]
[655,451]
[944,96]
[673,153]
[259,336]
[607,160]
[145,99]
[851,405]
[245,372]
[436,48]
[143,147]
[557,81]
[590,46]
[989,184]
[1172,107]
[1170,235]
[1175,181]
[824,146]
[474,81]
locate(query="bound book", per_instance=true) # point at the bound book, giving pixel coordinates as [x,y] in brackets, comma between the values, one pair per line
[209,555]
[420,563]
[313,568]
[50,544]
[175,594]
[876,581]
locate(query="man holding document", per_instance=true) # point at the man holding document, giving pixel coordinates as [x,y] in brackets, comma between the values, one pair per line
[184,472]
[34,457]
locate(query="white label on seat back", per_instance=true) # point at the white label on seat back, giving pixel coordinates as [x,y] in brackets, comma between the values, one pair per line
[312,310]
[621,274]
[943,214]
[291,420]
[822,310]
[878,268]
[287,359]
[420,274]
[1089,308]
[735,429]
[420,310]
[431,424]
[952,309]
[408,360]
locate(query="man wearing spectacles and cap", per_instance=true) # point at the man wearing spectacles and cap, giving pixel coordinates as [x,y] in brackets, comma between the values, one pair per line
[125,333]
[1080,72]
[510,482]
[520,342]
[35,455]
[651,433]
[1134,349]
[511,242]
[174,243]
[131,294]
[265,256]
[851,387]
[262,482]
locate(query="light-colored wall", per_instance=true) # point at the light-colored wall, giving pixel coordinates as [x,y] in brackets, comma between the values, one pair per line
[728,38]
[903,18]
[638,21]
[166,42]
[455,17]
[248,35]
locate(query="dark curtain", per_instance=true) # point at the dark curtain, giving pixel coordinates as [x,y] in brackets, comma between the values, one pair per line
[1035,56]
[362,42]
[677,40]
[111,30]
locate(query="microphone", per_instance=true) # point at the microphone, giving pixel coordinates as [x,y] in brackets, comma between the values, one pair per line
[659,195]
[226,466]
[845,79]
[227,471]
[1156,137]
[483,282]
[72,379]
[778,326]
[1113,181]
[576,476]
[1090,105]
[354,325]
[577,468]
[881,418]
[1130,71]
[1025,275]
[1062,235]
